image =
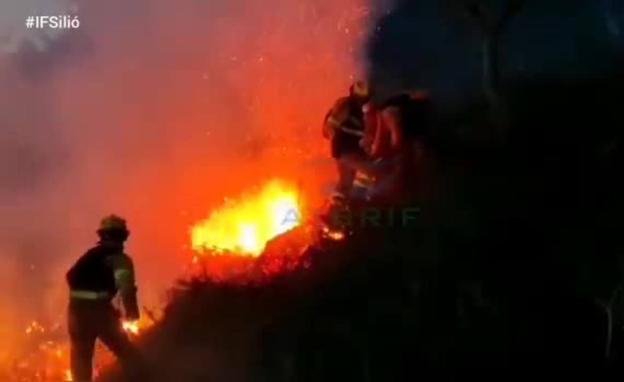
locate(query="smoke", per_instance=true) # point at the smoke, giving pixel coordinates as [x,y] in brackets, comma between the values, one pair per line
[13,34]
[155,110]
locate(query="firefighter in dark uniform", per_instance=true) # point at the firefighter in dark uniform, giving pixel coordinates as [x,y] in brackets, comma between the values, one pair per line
[345,127]
[96,278]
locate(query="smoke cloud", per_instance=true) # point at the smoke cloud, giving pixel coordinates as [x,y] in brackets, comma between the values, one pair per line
[155,110]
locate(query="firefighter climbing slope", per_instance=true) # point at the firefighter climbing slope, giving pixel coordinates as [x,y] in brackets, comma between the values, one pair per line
[98,276]
[345,127]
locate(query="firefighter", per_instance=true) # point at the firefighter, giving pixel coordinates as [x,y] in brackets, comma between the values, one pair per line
[400,147]
[345,127]
[96,278]
[396,143]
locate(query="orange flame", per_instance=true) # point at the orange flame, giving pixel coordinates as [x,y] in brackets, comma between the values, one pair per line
[131,327]
[45,356]
[245,226]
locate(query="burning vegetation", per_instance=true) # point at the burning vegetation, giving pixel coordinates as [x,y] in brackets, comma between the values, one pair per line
[244,227]
[517,266]
[248,239]
[44,352]
[240,85]
[256,236]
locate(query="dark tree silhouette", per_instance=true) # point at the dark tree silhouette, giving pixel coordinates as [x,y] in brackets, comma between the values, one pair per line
[491,20]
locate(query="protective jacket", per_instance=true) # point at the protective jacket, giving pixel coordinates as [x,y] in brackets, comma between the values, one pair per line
[344,125]
[101,273]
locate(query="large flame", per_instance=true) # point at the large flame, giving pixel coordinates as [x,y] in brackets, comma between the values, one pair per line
[245,226]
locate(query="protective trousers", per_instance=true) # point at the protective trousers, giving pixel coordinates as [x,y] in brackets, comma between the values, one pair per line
[92,320]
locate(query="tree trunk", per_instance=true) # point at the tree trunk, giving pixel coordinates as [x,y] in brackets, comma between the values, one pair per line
[491,68]
[491,83]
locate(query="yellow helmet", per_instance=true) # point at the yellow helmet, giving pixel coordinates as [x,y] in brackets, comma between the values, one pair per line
[113,223]
[361,89]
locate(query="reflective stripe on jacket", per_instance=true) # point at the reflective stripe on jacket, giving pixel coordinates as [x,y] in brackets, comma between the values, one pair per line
[89,295]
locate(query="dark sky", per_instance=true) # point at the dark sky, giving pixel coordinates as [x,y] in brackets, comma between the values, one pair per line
[422,44]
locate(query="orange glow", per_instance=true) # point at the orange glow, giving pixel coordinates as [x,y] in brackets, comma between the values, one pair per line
[228,95]
[42,356]
[46,358]
[34,327]
[245,226]
[131,327]
[333,234]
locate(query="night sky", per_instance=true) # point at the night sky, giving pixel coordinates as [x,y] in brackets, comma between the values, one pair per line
[423,44]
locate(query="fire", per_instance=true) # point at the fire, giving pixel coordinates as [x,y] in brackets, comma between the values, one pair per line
[131,327]
[41,355]
[246,225]
[333,234]
[44,355]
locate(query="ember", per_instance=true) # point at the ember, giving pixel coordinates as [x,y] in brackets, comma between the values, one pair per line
[45,353]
